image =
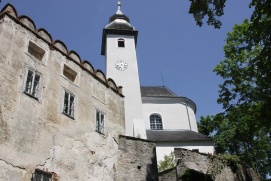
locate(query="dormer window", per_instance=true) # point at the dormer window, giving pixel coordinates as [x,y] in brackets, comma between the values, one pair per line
[121,42]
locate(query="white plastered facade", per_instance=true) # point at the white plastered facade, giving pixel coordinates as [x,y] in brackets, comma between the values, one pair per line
[128,78]
[174,116]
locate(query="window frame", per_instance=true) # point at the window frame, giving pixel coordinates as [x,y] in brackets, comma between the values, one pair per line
[121,43]
[67,69]
[155,125]
[71,106]
[40,175]
[36,51]
[100,121]
[35,90]
[41,49]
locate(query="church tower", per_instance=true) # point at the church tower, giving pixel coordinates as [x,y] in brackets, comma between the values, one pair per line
[119,47]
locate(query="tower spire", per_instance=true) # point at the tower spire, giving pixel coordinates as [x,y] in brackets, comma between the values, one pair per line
[119,5]
[119,11]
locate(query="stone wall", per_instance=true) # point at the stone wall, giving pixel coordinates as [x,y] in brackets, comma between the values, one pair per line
[167,175]
[136,160]
[198,166]
[35,134]
[194,166]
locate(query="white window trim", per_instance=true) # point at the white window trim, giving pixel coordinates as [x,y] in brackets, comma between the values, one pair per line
[98,127]
[155,114]
[40,85]
[63,103]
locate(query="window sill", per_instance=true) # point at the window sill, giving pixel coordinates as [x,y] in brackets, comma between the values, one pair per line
[71,82]
[101,133]
[68,116]
[33,97]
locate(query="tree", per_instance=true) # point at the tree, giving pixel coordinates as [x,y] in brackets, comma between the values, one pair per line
[258,31]
[244,128]
[167,163]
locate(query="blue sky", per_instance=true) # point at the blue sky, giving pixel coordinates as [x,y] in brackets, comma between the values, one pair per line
[169,40]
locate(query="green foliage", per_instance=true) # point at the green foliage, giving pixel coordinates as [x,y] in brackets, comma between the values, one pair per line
[213,9]
[167,163]
[220,161]
[244,128]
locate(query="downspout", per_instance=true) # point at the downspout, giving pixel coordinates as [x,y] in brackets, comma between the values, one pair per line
[188,114]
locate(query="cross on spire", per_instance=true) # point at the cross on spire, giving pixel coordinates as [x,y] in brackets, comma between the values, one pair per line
[119,11]
[119,5]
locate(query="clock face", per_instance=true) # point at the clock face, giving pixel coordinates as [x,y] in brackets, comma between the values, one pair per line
[121,65]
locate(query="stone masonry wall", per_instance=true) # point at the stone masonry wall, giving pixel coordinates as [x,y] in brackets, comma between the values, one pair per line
[35,134]
[204,165]
[168,175]
[136,160]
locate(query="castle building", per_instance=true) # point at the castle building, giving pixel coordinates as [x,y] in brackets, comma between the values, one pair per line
[63,120]
[59,118]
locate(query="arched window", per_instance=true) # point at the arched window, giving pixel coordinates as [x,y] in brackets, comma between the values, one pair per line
[121,42]
[156,122]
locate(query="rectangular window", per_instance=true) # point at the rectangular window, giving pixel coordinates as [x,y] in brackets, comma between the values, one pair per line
[68,105]
[36,51]
[33,83]
[100,121]
[40,175]
[121,42]
[69,73]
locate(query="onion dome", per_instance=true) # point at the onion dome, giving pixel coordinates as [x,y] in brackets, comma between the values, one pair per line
[119,21]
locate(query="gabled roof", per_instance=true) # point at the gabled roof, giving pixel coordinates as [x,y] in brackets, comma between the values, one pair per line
[176,135]
[156,91]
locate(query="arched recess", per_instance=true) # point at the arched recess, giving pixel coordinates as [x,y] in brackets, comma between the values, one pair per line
[156,122]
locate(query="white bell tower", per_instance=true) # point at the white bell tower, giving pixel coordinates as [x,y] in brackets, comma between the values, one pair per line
[119,48]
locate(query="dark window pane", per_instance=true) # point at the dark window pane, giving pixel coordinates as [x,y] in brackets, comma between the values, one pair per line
[121,43]
[155,122]
[29,80]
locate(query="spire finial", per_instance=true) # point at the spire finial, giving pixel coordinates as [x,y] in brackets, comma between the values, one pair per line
[119,11]
[119,5]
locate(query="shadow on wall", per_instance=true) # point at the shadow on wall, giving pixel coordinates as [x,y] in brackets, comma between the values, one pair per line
[152,169]
[193,175]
